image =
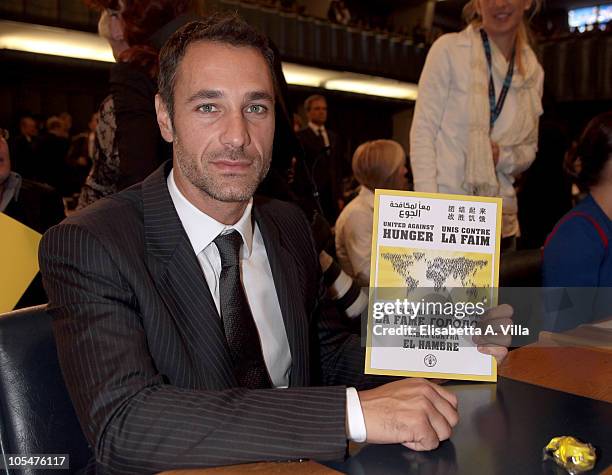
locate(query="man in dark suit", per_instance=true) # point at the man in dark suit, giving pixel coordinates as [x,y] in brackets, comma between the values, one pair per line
[23,148]
[324,156]
[187,314]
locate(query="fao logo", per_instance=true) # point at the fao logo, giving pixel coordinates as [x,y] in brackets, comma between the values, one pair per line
[430,361]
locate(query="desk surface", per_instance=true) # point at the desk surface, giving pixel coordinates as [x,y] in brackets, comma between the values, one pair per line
[503,429]
[576,370]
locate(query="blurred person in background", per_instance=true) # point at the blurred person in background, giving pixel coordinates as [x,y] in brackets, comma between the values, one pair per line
[376,164]
[92,126]
[51,152]
[33,204]
[576,253]
[23,147]
[475,126]
[66,119]
[338,12]
[128,143]
[79,158]
[324,156]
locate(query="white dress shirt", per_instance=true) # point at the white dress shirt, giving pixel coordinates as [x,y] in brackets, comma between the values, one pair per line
[259,288]
[320,129]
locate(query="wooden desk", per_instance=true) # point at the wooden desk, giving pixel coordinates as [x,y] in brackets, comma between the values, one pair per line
[584,371]
[502,431]
[281,468]
[510,423]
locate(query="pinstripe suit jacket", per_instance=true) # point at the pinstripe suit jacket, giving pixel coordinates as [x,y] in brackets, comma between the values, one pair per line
[143,351]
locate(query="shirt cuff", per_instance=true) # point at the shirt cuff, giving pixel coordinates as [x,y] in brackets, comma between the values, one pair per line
[355,423]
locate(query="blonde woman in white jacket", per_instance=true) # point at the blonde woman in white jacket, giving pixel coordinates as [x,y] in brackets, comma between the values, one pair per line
[471,136]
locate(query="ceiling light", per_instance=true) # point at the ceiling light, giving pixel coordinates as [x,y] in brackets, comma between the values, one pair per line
[76,44]
[53,41]
[374,86]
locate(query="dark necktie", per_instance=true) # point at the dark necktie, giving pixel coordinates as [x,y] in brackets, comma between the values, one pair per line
[240,330]
[320,135]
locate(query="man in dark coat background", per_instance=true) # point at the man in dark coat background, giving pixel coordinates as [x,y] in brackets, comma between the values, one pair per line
[325,157]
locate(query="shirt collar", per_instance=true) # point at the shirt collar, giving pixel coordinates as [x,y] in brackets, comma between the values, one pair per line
[366,195]
[12,186]
[201,229]
[316,128]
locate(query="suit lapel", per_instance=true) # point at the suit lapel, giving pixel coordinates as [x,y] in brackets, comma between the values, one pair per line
[286,281]
[181,283]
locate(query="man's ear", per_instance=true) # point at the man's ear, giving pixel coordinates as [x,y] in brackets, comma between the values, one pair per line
[163,119]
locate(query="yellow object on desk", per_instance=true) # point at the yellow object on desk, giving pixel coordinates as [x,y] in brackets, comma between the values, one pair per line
[571,454]
[19,257]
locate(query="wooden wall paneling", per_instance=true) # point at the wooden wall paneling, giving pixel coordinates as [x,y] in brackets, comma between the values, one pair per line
[380,49]
[27,99]
[352,45]
[605,73]
[47,10]
[74,12]
[303,37]
[54,100]
[307,41]
[366,40]
[271,23]
[250,13]
[604,63]
[12,6]
[587,69]
[321,40]
[336,43]
[288,33]
[405,55]
[393,56]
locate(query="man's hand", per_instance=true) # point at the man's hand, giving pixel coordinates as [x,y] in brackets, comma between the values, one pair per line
[495,151]
[413,412]
[495,345]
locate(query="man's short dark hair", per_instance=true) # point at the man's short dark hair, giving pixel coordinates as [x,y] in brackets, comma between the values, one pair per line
[220,28]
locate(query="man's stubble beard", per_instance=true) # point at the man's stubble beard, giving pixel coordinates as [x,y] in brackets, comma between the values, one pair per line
[207,183]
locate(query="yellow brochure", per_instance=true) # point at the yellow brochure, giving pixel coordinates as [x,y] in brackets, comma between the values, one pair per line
[434,273]
[19,257]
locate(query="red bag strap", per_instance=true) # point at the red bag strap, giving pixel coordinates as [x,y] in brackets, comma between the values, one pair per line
[588,217]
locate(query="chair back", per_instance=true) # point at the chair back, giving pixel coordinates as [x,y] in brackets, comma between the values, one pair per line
[36,413]
[521,268]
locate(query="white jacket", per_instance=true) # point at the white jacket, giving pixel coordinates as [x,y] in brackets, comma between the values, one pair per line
[439,133]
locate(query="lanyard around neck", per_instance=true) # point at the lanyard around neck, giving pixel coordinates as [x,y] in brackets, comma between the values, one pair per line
[497,108]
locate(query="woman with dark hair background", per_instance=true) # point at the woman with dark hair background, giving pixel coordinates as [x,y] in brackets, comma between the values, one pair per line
[128,143]
[576,253]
